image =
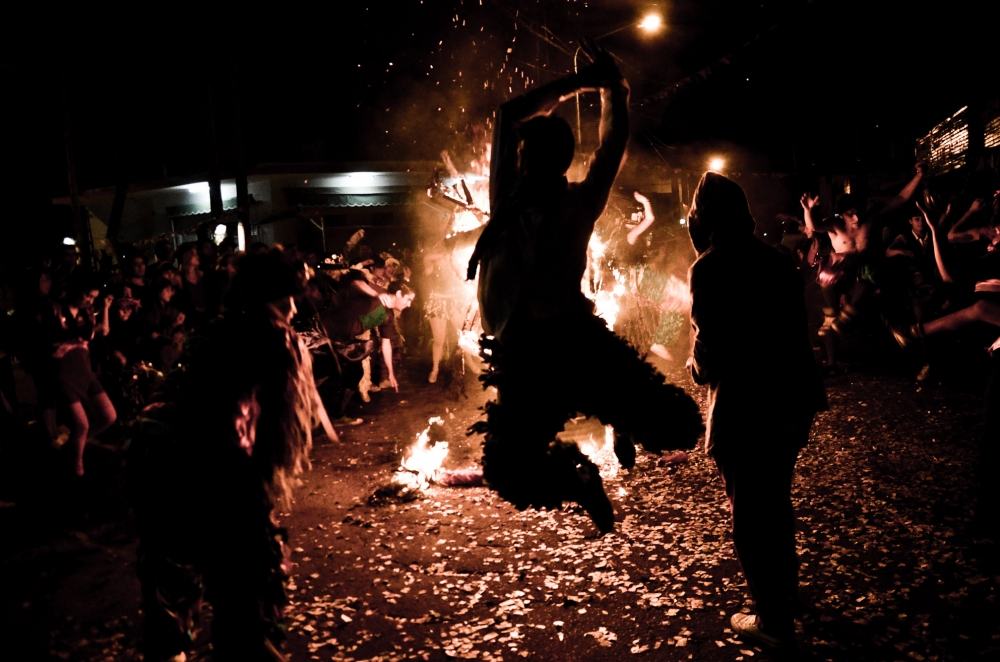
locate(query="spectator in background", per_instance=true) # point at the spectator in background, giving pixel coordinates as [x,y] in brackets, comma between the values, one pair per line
[70,327]
[193,296]
[135,278]
[163,250]
[161,327]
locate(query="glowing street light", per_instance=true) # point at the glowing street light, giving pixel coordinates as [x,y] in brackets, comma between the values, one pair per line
[716,164]
[651,23]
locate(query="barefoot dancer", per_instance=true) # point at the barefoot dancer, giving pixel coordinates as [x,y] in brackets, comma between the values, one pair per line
[549,356]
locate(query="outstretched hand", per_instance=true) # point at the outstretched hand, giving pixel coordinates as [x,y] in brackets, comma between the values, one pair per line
[928,206]
[808,201]
[641,198]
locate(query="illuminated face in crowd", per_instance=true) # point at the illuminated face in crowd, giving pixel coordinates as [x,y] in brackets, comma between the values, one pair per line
[918,225]
[851,219]
[402,301]
[88,298]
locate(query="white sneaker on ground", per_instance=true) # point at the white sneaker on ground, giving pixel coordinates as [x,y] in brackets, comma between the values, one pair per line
[745,626]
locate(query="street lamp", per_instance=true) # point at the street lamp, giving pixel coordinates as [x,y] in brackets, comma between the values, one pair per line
[650,23]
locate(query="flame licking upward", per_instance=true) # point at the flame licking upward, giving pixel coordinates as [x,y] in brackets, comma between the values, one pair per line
[424,458]
[602,453]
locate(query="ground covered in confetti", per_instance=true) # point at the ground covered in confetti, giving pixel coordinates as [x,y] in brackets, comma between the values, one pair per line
[884,493]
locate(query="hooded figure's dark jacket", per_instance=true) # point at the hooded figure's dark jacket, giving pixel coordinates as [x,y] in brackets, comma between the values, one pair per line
[750,340]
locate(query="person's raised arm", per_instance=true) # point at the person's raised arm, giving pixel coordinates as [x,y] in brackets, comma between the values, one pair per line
[932,224]
[539,101]
[958,234]
[103,327]
[909,190]
[808,202]
[647,219]
[614,133]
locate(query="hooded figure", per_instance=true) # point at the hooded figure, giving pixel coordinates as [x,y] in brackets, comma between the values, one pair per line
[750,346]
[748,317]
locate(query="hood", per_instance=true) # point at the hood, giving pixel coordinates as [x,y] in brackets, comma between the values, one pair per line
[719,213]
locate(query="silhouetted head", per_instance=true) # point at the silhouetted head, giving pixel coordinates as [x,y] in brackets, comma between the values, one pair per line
[719,212]
[546,147]
[266,280]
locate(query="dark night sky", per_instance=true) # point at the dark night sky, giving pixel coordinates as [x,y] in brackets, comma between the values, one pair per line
[837,84]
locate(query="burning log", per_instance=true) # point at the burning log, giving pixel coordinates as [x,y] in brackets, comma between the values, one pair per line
[421,467]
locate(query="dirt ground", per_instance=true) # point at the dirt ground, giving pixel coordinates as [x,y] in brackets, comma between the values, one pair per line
[884,495]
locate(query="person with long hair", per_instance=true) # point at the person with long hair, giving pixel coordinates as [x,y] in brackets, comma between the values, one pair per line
[71,325]
[215,457]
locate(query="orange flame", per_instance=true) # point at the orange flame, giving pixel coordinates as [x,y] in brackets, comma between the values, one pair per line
[602,453]
[423,460]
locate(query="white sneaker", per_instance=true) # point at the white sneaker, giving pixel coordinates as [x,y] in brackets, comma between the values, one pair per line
[745,627]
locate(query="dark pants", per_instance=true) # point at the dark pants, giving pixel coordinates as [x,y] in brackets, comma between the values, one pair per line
[758,483]
[988,502]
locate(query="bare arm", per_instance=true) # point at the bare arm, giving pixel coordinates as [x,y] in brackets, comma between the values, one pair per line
[808,202]
[647,219]
[614,139]
[935,241]
[365,287]
[956,234]
[517,111]
[104,322]
[909,190]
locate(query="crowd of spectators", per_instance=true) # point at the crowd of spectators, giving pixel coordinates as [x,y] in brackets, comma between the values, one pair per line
[917,264]
[97,341]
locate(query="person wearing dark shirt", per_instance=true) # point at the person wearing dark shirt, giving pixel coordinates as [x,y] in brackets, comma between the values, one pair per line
[740,283]
[160,325]
[532,256]
[362,311]
[137,277]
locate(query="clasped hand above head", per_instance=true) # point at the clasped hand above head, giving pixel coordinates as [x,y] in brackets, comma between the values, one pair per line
[602,72]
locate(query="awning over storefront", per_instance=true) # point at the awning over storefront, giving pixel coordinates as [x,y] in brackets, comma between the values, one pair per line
[316,197]
[175,211]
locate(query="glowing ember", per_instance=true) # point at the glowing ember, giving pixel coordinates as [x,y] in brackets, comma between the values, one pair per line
[423,460]
[602,453]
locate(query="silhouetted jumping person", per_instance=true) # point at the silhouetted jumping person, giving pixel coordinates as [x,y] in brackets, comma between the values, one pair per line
[548,355]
